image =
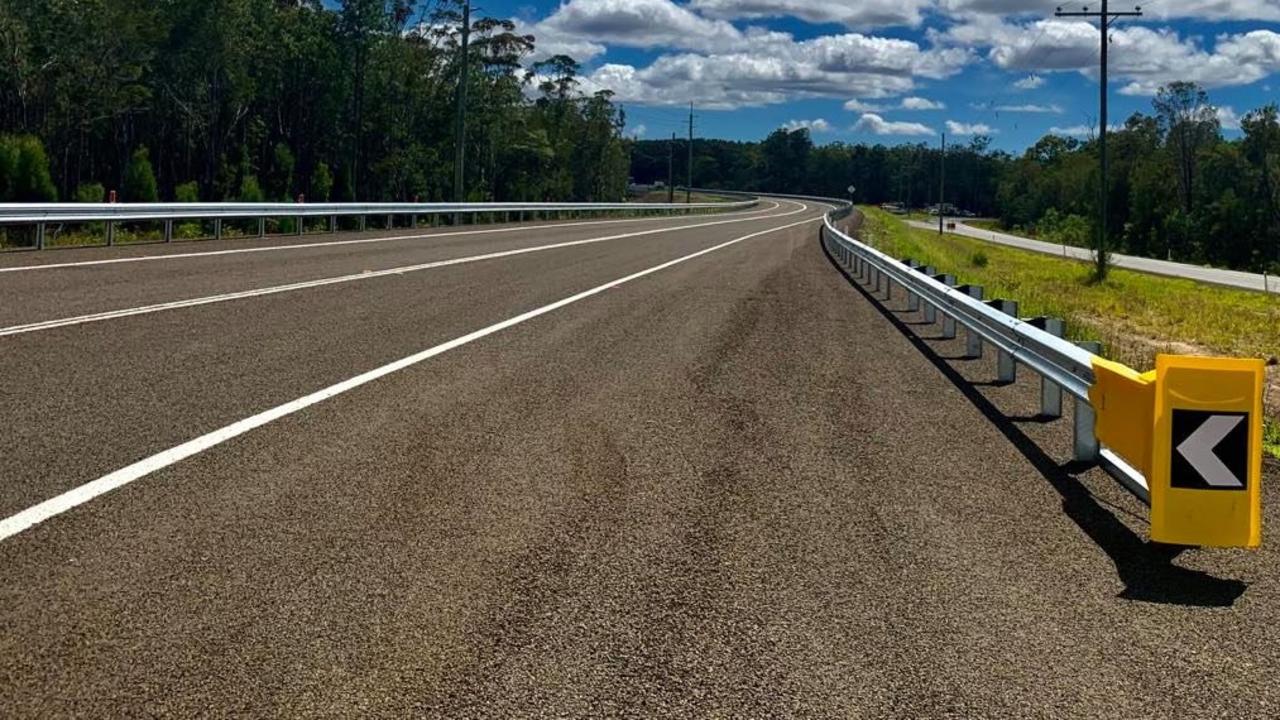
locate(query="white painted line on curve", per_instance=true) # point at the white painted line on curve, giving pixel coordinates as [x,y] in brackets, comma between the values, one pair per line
[336,243]
[354,277]
[73,498]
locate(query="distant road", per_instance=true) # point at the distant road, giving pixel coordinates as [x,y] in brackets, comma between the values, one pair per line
[1230,278]
[650,468]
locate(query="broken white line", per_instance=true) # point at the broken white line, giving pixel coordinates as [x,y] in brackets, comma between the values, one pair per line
[62,503]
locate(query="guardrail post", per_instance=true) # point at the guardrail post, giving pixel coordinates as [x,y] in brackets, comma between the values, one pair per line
[913,300]
[1085,441]
[262,228]
[111,233]
[40,236]
[364,222]
[217,228]
[930,312]
[973,341]
[168,231]
[1006,366]
[391,221]
[333,223]
[948,322]
[1050,393]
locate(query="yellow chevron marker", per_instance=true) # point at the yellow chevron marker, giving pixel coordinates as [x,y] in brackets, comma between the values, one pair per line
[1193,428]
[1207,462]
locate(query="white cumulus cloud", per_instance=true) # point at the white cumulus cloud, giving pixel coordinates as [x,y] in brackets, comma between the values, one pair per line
[817,126]
[919,103]
[1030,108]
[1030,82]
[876,125]
[850,13]
[1228,118]
[959,128]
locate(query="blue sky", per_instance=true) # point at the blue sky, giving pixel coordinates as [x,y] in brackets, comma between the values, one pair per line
[897,71]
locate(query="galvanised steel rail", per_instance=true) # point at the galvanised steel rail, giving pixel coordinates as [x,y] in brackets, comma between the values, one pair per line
[1062,365]
[44,214]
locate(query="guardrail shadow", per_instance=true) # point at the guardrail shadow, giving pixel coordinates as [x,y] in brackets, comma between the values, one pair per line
[1145,568]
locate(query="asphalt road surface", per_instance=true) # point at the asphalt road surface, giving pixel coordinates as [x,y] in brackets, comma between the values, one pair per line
[666,468]
[1215,276]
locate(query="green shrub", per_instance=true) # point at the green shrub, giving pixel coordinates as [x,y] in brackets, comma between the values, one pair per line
[979,259]
[24,171]
[140,179]
[321,184]
[250,190]
[91,193]
[188,192]
[8,167]
[280,180]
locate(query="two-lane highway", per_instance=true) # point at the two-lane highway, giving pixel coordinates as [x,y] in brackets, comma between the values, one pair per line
[660,468]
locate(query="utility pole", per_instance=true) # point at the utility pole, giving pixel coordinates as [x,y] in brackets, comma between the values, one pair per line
[942,187]
[1105,16]
[688,189]
[671,170]
[460,142]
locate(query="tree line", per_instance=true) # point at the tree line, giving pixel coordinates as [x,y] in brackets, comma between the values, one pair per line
[271,99]
[1176,187]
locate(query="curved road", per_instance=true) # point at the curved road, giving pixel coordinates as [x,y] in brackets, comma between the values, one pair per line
[657,468]
[1215,276]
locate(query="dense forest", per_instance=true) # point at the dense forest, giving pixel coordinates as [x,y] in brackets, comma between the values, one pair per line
[270,99]
[1177,188]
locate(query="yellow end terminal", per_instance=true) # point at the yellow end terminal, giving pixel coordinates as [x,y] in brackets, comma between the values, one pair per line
[1125,403]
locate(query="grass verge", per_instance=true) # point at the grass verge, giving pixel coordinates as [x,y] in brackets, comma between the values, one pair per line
[1136,316]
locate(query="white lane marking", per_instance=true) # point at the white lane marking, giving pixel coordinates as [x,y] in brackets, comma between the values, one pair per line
[73,498]
[354,277]
[336,243]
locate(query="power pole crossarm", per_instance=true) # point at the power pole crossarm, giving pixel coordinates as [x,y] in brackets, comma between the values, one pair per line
[1104,16]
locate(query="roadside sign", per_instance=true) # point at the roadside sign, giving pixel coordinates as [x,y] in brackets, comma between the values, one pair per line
[1207,452]
[852,189]
[1210,450]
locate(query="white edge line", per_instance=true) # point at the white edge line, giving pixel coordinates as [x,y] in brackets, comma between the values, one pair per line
[361,241]
[354,277]
[73,498]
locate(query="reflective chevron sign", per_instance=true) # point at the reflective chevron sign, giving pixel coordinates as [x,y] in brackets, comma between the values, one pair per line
[1211,450]
[1206,468]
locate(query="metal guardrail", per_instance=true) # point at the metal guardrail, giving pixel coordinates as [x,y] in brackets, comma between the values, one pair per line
[1037,344]
[44,214]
